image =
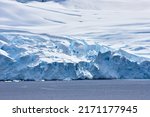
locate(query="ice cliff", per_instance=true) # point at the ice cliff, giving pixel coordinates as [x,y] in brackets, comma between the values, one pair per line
[47,57]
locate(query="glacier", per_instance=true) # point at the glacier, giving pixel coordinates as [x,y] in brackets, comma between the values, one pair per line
[47,57]
[71,40]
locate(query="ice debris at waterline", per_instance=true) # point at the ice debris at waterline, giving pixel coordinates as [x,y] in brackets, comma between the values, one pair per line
[45,57]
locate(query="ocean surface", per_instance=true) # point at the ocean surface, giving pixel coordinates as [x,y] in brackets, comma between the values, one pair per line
[76,90]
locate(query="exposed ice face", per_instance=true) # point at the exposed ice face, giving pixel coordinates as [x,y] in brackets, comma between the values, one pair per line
[63,58]
[115,66]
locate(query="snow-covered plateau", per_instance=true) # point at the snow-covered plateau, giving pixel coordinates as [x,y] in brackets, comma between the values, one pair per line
[74,39]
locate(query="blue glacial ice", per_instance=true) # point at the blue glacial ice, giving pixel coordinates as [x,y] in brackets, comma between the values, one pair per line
[46,57]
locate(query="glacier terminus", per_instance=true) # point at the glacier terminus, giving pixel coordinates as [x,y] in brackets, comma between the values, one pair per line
[74,39]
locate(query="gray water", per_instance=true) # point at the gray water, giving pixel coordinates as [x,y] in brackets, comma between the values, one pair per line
[76,90]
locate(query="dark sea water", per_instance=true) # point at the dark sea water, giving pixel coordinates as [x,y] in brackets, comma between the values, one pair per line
[76,90]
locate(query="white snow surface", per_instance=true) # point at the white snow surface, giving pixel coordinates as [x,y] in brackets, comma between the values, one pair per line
[74,39]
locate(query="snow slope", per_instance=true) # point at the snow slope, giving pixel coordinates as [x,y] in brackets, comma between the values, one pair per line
[74,40]
[108,4]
